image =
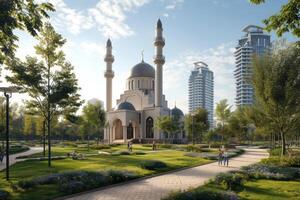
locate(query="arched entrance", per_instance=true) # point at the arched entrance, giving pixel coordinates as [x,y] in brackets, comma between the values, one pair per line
[129,131]
[149,128]
[118,129]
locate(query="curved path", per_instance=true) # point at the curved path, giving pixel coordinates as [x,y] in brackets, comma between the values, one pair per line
[13,160]
[160,186]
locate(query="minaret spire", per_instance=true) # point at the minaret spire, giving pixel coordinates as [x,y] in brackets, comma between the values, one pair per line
[159,60]
[109,74]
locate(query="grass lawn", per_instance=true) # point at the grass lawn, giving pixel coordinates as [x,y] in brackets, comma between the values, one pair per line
[271,190]
[28,169]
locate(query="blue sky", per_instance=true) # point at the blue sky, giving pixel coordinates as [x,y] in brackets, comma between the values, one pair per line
[194,30]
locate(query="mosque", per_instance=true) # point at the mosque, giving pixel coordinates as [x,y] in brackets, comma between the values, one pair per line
[142,102]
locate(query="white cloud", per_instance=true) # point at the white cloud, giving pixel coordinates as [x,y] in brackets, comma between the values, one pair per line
[220,60]
[91,47]
[174,4]
[107,16]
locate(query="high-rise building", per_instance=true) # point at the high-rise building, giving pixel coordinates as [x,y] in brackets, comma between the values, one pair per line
[255,41]
[201,90]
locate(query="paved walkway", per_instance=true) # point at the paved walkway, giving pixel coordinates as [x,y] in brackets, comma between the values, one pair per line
[13,160]
[160,186]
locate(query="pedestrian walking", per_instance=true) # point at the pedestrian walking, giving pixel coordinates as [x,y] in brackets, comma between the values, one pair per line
[130,146]
[153,146]
[220,157]
[226,159]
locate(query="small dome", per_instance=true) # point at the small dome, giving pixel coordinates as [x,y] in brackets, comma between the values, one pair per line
[176,112]
[125,106]
[142,70]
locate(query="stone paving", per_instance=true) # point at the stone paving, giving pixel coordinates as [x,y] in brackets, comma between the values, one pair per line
[160,186]
[13,160]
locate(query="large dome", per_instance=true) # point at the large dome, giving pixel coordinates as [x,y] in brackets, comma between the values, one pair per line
[142,70]
[177,112]
[125,106]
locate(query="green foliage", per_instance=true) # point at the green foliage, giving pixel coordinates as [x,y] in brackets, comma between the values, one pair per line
[23,15]
[230,181]
[202,193]
[287,20]
[291,161]
[166,124]
[262,171]
[153,164]
[50,83]
[196,124]
[78,181]
[122,152]
[4,195]
[18,149]
[276,83]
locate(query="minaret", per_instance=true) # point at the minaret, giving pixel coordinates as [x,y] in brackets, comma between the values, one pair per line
[159,60]
[109,74]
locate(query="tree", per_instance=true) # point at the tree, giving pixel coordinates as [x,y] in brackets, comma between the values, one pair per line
[93,119]
[166,124]
[223,113]
[23,15]
[287,20]
[50,83]
[196,124]
[276,83]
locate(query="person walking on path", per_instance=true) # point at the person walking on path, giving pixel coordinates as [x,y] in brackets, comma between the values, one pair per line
[220,158]
[226,159]
[153,146]
[130,146]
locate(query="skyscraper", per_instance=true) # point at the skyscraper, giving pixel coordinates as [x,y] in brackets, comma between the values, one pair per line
[201,90]
[255,41]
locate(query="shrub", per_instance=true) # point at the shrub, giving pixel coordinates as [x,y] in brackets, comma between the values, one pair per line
[271,172]
[153,164]
[78,181]
[293,161]
[194,148]
[18,149]
[230,181]
[102,146]
[120,176]
[202,193]
[139,153]
[118,153]
[4,195]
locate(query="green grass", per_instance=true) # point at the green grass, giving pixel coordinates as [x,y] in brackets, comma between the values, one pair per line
[29,169]
[271,190]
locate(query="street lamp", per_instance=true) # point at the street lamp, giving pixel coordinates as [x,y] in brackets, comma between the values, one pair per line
[8,94]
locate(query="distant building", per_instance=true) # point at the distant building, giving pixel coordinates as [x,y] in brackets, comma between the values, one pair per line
[201,90]
[255,41]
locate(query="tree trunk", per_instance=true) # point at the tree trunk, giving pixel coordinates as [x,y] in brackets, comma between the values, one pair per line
[283,147]
[88,137]
[44,138]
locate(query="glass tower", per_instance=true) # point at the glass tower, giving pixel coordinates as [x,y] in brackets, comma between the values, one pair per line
[255,41]
[201,90]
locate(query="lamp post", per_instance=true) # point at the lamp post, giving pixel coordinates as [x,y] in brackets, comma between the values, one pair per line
[8,94]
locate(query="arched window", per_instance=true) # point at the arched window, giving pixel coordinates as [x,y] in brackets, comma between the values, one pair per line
[129,131]
[138,84]
[132,84]
[149,128]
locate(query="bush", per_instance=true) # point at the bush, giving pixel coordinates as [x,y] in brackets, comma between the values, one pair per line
[120,176]
[102,146]
[203,194]
[139,153]
[230,181]
[18,149]
[209,156]
[293,161]
[118,153]
[4,195]
[78,181]
[153,164]
[272,172]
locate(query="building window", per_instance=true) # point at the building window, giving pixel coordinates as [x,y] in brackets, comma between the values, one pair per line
[138,84]
[153,85]
[149,128]
[132,84]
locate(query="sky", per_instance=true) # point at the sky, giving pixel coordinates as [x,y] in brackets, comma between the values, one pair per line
[194,30]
